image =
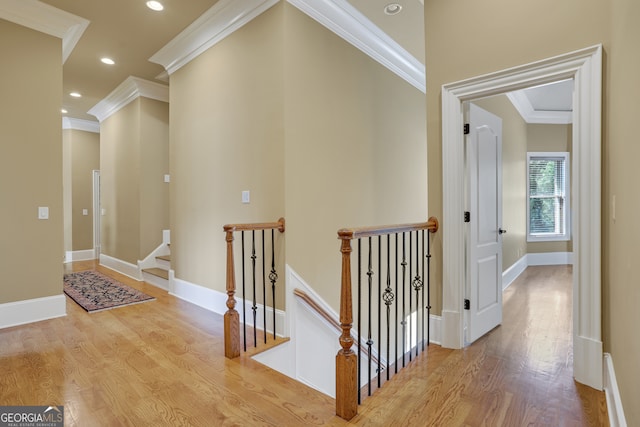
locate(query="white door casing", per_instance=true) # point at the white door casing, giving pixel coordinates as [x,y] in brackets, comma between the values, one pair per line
[585,68]
[483,149]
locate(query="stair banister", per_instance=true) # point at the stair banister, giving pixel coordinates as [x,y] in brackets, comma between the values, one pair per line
[346,359]
[232,317]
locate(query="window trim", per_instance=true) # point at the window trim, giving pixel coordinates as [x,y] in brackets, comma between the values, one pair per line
[566,236]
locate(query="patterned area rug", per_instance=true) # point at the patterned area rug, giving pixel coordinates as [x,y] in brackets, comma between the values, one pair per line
[94,291]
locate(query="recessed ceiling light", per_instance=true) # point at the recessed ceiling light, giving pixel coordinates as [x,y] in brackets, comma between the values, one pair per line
[392,9]
[75,94]
[63,111]
[107,61]
[155,5]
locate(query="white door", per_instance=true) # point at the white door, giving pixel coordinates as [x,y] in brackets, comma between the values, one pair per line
[484,233]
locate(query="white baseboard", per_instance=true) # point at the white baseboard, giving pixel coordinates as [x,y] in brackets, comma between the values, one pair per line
[512,273]
[123,267]
[435,329]
[216,301]
[614,401]
[33,310]
[84,255]
[550,258]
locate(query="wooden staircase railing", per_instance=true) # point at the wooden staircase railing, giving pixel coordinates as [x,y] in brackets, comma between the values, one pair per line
[232,342]
[347,362]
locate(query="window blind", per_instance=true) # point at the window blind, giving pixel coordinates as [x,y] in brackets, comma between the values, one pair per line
[547,195]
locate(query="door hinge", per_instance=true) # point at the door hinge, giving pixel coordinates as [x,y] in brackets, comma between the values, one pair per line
[467,304]
[467,216]
[466,129]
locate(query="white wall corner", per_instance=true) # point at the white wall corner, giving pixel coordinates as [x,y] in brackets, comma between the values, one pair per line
[340,17]
[221,20]
[33,310]
[612,393]
[129,90]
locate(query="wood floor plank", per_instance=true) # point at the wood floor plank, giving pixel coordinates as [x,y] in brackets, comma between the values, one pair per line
[161,363]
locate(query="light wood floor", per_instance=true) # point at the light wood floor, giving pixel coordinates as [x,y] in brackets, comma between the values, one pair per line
[161,363]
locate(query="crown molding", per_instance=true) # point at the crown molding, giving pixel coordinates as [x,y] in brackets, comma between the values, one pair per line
[130,89]
[340,17]
[80,124]
[46,19]
[221,20]
[521,103]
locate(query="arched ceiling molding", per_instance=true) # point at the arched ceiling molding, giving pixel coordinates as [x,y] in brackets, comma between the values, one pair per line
[46,19]
[221,20]
[130,89]
[338,16]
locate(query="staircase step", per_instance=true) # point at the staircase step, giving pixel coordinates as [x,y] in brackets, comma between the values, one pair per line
[159,272]
[164,257]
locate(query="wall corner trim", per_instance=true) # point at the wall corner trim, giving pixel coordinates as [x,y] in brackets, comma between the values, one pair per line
[612,393]
[340,17]
[32,310]
[79,124]
[129,90]
[221,20]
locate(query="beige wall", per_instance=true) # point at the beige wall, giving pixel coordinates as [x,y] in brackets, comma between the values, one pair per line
[30,164]
[227,136]
[355,149]
[550,138]
[133,160]
[82,157]
[499,34]
[315,129]
[622,233]
[514,177]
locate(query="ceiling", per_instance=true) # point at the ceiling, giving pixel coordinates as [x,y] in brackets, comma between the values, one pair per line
[130,33]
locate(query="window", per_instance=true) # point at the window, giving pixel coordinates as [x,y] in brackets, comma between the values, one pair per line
[548,197]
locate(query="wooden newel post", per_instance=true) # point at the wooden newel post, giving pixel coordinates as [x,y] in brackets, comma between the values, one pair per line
[231,317]
[346,360]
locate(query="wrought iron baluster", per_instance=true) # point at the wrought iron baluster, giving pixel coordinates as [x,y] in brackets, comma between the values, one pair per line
[244,300]
[379,307]
[404,313]
[417,286]
[255,305]
[388,300]
[395,323]
[273,277]
[359,370]
[410,294]
[264,293]
[423,290]
[428,287]
[369,340]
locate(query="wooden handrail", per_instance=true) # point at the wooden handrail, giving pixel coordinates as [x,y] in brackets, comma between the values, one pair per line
[278,225]
[346,359]
[357,233]
[328,317]
[232,317]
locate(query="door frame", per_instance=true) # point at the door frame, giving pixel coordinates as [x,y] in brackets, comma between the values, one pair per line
[585,68]
[96,214]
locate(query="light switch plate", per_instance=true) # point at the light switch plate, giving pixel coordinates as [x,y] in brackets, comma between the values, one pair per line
[43,212]
[245,196]
[85,211]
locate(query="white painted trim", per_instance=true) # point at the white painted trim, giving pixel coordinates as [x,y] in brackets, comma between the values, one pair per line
[435,329]
[47,19]
[129,90]
[612,393]
[216,301]
[84,255]
[79,124]
[221,20]
[122,267]
[550,258]
[32,310]
[512,273]
[521,103]
[585,67]
[340,17]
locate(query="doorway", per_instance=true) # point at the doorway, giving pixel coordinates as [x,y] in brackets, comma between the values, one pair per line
[96,214]
[585,67]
